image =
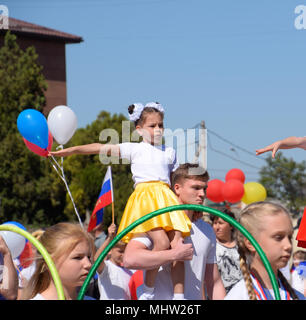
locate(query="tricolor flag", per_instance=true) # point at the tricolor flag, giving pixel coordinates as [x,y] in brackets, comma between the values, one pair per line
[105,198]
[301,235]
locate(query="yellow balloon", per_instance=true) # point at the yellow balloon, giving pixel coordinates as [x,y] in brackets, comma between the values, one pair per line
[253,192]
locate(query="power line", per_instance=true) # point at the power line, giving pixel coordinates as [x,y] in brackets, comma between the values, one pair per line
[229,156]
[234,145]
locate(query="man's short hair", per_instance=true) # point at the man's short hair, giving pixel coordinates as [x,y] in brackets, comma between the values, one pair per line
[189,171]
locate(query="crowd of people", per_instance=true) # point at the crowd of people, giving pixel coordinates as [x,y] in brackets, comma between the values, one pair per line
[173,256]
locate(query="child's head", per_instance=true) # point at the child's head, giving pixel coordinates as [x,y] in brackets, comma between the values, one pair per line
[148,121]
[71,249]
[270,224]
[298,256]
[117,252]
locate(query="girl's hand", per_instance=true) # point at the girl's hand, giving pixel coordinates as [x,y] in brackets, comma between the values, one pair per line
[3,247]
[272,147]
[112,230]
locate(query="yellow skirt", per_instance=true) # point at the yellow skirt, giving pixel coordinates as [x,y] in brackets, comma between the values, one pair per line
[148,197]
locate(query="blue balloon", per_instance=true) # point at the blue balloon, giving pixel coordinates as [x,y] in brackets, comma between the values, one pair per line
[33,126]
[17,224]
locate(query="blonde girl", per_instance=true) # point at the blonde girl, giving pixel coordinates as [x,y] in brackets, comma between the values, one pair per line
[71,249]
[270,224]
[151,166]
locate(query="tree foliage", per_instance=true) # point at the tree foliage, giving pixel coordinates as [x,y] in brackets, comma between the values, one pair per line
[285,180]
[31,192]
[25,178]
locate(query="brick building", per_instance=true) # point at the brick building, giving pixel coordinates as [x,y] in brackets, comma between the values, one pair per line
[50,47]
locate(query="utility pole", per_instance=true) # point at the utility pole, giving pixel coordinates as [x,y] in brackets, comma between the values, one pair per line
[202,149]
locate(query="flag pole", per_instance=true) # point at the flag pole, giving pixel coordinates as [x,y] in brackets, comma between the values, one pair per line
[113,212]
[113,204]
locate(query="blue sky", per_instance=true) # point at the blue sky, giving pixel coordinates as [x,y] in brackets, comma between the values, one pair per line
[238,65]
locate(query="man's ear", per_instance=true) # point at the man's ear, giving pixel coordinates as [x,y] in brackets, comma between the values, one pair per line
[249,246]
[177,189]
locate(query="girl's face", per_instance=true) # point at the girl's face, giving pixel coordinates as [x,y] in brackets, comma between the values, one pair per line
[223,230]
[152,128]
[73,268]
[117,255]
[275,240]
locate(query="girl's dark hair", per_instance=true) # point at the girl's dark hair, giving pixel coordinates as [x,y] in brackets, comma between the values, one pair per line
[287,286]
[144,113]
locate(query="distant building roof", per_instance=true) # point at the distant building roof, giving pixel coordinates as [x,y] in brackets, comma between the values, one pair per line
[33,30]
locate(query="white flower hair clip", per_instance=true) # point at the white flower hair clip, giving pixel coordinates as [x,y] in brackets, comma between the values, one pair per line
[138,108]
[155,105]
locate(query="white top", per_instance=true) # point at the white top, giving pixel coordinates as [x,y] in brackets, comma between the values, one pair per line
[38,297]
[149,163]
[203,239]
[297,281]
[239,292]
[113,282]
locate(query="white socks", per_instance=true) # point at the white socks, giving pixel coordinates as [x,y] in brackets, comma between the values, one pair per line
[146,293]
[178,296]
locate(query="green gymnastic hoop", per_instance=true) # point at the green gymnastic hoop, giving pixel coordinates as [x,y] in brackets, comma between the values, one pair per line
[45,255]
[193,207]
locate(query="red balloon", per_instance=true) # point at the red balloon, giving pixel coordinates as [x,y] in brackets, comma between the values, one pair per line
[214,191]
[26,256]
[233,191]
[235,174]
[38,150]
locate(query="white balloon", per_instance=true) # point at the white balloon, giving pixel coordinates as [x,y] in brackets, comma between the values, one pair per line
[62,123]
[14,241]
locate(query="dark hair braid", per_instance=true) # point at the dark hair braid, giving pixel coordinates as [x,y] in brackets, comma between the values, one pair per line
[287,286]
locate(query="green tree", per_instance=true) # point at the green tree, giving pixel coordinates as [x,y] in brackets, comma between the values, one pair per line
[31,192]
[285,180]
[85,173]
[25,178]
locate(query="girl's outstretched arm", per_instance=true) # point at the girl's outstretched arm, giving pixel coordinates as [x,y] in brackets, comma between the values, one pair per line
[287,143]
[112,229]
[93,148]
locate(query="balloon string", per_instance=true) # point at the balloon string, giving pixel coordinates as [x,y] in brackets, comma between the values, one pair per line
[62,176]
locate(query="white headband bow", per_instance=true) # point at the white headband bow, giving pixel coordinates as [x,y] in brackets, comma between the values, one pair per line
[138,108]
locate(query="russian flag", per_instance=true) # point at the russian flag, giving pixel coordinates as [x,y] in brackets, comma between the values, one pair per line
[105,198]
[301,235]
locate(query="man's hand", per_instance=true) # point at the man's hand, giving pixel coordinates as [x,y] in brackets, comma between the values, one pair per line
[182,251]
